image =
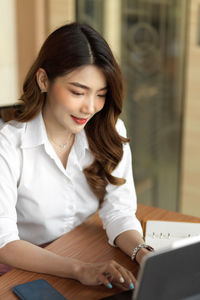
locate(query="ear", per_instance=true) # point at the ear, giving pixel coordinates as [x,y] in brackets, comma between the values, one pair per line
[42,80]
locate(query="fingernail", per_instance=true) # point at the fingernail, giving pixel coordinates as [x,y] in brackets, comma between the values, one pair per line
[109,285]
[131,286]
[121,280]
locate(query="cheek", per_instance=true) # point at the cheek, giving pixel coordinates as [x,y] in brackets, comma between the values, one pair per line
[63,98]
[100,104]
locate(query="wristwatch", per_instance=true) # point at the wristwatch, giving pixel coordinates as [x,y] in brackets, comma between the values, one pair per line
[135,251]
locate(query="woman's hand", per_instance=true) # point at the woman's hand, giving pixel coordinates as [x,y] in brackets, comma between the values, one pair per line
[108,273]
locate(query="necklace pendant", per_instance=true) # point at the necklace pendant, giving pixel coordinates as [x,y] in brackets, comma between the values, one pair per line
[63,147]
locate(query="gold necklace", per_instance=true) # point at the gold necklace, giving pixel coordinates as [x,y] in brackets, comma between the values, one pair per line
[62,147]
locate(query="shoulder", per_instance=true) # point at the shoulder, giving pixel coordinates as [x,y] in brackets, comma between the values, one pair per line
[11,133]
[120,127]
[1,122]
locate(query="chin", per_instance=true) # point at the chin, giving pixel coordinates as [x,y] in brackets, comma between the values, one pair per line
[76,130]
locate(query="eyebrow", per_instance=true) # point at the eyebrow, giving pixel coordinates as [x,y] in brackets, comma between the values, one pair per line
[82,86]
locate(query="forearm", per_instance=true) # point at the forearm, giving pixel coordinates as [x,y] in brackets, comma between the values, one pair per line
[24,255]
[128,240]
[27,256]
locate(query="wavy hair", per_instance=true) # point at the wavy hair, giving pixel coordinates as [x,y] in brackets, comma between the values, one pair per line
[67,48]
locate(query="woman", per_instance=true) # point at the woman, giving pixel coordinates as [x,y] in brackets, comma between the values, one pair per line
[64,155]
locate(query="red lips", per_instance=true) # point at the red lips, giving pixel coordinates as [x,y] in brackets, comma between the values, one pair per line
[79,121]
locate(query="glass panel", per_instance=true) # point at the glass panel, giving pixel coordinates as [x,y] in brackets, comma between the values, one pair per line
[152,62]
[90,12]
[152,59]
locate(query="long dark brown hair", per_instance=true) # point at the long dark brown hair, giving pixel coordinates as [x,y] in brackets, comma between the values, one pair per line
[67,48]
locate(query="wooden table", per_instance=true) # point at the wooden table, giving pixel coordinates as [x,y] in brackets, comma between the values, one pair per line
[87,242]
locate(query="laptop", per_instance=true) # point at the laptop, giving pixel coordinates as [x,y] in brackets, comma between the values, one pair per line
[168,274]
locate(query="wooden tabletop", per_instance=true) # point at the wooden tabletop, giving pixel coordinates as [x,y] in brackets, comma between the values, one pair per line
[87,242]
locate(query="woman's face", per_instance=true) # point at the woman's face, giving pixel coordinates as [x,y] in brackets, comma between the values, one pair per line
[73,99]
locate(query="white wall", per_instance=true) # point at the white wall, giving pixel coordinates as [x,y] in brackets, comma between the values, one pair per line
[8,53]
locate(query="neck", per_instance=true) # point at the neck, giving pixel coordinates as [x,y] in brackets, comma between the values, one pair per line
[56,133]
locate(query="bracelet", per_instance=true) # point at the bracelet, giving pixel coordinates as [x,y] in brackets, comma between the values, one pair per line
[135,251]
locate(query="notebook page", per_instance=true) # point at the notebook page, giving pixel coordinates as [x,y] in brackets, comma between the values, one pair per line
[161,234]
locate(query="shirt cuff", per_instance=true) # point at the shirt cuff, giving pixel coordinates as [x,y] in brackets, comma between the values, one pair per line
[8,231]
[121,225]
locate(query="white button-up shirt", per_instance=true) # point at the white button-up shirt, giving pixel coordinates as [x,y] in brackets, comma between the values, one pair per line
[40,200]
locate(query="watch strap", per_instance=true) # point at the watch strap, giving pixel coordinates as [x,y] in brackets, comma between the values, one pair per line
[135,251]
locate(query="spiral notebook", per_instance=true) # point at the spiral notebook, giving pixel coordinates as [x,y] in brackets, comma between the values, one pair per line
[161,234]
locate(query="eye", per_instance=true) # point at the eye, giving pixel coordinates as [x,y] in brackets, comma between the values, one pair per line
[102,96]
[76,93]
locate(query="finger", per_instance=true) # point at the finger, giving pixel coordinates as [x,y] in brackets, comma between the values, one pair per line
[108,276]
[104,280]
[116,274]
[128,278]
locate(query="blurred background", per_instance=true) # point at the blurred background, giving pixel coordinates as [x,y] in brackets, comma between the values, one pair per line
[157,44]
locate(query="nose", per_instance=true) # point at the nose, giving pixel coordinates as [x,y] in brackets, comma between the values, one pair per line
[88,106]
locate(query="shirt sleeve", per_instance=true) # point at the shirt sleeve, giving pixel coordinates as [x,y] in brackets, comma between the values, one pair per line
[1,122]
[119,206]
[8,191]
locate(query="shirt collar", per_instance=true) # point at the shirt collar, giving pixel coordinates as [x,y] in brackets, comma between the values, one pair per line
[35,133]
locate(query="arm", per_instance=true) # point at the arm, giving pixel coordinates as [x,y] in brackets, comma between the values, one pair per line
[119,207]
[128,240]
[33,258]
